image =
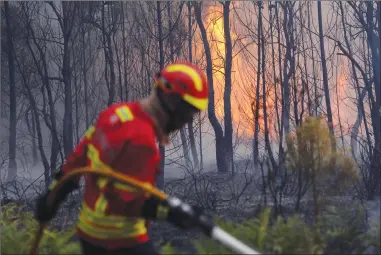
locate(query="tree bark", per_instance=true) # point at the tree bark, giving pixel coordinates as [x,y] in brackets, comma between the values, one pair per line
[49,117]
[84,70]
[76,92]
[325,73]
[264,98]
[12,165]
[160,179]
[257,91]
[184,142]
[281,126]
[125,57]
[218,131]
[32,131]
[376,107]
[192,139]
[228,122]
[316,95]
[35,116]
[288,61]
[67,22]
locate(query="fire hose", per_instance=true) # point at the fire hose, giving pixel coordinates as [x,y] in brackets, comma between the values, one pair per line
[217,233]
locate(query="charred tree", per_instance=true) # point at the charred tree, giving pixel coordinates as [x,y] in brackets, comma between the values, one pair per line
[228,121]
[325,72]
[218,131]
[160,179]
[192,139]
[184,141]
[12,165]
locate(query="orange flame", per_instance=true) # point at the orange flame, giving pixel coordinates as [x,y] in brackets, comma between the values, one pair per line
[341,84]
[243,86]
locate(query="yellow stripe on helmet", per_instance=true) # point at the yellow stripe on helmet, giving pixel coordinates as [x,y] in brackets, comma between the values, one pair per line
[189,71]
[199,103]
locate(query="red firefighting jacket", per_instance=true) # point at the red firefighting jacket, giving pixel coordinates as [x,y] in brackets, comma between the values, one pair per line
[123,139]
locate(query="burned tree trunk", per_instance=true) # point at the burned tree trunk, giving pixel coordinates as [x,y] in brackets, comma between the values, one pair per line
[66,21]
[192,140]
[219,133]
[228,122]
[42,70]
[12,165]
[160,179]
[35,118]
[325,72]
[183,137]
[257,96]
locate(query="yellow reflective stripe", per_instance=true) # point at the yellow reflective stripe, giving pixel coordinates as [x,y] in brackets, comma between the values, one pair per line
[109,218]
[162,212]
[193,74]
[102,182]
[53,184]
[100,222]
[101,204]
[124,113]
[199,103]
[90,231]
[110,233]
[109,226]
[89,133]
[93,155]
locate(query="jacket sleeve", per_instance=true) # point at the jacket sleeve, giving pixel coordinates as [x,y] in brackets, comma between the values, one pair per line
[78,158]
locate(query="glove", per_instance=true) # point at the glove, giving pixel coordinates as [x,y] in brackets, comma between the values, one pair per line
[45,213]
[183,215]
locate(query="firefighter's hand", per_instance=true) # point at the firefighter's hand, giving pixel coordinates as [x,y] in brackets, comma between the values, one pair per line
[45,213]
[183,215]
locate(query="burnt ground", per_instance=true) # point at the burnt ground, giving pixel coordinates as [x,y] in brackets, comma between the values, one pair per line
[231,198]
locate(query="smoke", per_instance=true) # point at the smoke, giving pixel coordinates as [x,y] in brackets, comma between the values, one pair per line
[373,210]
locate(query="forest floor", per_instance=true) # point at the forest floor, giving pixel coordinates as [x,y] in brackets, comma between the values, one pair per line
[231,198]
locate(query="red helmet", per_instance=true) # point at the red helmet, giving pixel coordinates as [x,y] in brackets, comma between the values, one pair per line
[187,80]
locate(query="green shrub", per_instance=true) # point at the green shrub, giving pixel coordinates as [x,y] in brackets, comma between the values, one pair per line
[339,231]
[320,170]
[167,249]
[18,231]
[375,237]
[344,230]
[282,238]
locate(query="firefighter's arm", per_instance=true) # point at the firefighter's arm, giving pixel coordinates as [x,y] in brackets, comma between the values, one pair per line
[77,158]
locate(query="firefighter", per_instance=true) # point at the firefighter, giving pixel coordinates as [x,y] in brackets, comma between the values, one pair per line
[113,217]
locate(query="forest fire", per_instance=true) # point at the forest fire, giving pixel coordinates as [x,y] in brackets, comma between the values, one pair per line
[215,29]
[341,85]
[243,86]
[77,83]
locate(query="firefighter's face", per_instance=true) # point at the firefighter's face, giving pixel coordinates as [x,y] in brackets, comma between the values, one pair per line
[181,113]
